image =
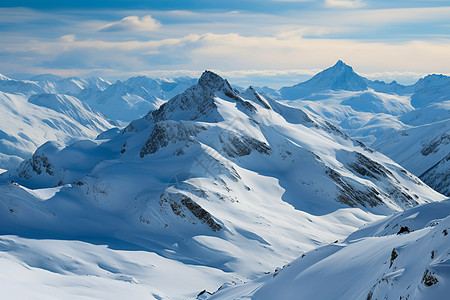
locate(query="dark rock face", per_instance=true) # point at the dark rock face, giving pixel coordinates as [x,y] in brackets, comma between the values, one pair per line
[179,202]
[200,213]
[260,99]
[352,197]
[428,278]
[211,81]
[39,163]
[438,176]
[247,105]
[194,101]
[367,167]
[397,193]
[236,145]
[434,145]
[404,229]
[167,132]
[129,128]
[394,255]
[364,166]
[197,101]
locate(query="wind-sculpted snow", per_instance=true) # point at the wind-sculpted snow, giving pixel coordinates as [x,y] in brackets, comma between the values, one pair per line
[231,183]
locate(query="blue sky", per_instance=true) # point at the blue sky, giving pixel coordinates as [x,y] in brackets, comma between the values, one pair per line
[274,42]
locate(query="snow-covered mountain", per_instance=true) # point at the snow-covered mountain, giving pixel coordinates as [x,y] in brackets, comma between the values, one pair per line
[51,84]
[9,85]
[131,99]
[405,256]
[122,101]
[28,122]
[423,145]
[399,121]
[338,77]
[162,88]
[431,89]
[72,85]
[219,184]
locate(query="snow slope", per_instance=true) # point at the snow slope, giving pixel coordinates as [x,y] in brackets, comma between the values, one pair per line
[431,89]
[224,183]
[131,99]
[405,256]
[364,115]
[72,85]
[68,269]
[399,121]
[28,123]
[424,147]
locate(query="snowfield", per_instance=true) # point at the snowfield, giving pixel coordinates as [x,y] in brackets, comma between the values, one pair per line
[406,256]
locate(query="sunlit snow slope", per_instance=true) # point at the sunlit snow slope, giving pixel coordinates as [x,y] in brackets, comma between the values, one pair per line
[410,124]
[406,256]
[27,121]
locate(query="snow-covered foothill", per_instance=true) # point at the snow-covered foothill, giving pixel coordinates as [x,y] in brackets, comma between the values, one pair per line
[405,256]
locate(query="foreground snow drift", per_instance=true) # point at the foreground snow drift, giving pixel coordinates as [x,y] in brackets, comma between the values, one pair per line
[58,269]
[406,256]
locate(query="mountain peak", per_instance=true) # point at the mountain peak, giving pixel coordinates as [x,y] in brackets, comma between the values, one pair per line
[338,77]
[211,81]
[3,77]
[340,65]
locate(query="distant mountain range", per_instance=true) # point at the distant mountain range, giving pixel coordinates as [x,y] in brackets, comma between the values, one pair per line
[50,107]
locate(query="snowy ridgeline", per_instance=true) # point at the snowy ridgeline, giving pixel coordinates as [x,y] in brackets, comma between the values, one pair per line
[214,186]
[49,107]
[410,124]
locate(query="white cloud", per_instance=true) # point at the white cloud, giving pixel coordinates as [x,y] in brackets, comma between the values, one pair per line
[234,43]
[344,3]
[133,23]
[68,38]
